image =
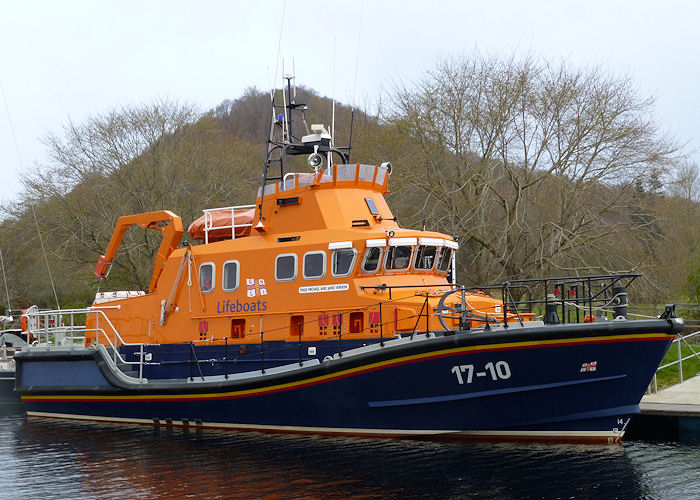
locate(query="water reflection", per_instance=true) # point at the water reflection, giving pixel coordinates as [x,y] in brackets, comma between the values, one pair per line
[49,458]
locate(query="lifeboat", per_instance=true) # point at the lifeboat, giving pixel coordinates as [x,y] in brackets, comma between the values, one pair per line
[313,310]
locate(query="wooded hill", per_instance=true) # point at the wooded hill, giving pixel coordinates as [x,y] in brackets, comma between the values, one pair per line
[538,169]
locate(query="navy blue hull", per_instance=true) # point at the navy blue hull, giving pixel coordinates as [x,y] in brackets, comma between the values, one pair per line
[7,387]
[575,382]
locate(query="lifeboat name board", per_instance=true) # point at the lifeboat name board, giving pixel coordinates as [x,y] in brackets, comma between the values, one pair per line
[324,288]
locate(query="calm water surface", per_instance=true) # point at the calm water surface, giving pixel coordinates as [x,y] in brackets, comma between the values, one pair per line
[53,459]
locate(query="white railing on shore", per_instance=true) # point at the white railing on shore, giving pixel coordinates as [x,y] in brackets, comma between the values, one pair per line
[695,353]
[58,328]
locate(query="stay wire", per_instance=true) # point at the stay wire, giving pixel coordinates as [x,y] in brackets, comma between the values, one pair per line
[46,259]
[279,50]
[21,165]
[12,127]
[357,55]
[4,275]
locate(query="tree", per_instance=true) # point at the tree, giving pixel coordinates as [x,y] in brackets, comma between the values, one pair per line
[141,159]
[532,165]
[687,181]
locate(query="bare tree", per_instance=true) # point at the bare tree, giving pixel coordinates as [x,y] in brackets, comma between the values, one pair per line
[147,158]
[534,166]
[686,183]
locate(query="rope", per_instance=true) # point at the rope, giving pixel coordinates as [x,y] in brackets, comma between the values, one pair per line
[596,308]
[189,282]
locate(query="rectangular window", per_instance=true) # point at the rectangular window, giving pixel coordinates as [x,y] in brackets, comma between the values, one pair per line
[342,262]
[444,260]
[372,207]
[206,277]
[425,257]
[373,257]
[398,257]
[231,276]
[286,267]
[314,265]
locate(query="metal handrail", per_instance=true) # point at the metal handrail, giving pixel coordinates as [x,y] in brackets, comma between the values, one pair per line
[679,361]
[51,326]
[209,220]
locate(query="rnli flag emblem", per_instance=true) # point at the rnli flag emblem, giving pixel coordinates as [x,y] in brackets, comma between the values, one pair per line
[589,367]
[254,289]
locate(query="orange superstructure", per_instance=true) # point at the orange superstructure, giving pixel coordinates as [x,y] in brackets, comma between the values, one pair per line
[319,256]
[329,255]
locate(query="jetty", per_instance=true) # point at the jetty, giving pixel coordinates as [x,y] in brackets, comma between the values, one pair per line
[673,413]
[681,399]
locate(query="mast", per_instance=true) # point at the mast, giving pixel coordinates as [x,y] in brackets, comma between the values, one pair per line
[317,144]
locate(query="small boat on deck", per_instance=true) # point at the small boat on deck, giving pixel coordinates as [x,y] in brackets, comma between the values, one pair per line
[314,311]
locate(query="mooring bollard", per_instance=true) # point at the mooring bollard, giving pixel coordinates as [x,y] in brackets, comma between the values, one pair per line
[619,301]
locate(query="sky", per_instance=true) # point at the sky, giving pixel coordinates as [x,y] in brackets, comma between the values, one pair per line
[76,59]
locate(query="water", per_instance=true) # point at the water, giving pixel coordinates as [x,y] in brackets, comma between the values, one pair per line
[54,459]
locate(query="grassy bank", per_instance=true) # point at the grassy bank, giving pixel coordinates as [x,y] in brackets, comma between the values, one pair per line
[670,376]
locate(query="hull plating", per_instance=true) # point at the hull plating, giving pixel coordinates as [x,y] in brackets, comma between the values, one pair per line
[573,383]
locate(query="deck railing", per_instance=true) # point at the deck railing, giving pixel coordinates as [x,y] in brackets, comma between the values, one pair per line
[678,341]
[63,328]
[209,220]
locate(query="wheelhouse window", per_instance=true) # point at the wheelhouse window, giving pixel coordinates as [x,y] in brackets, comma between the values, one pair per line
[342,262]
[444,259]
[425,257]
[286,267]
[398,257]
[231,276]
[206,277]
[314,265]
[373,256]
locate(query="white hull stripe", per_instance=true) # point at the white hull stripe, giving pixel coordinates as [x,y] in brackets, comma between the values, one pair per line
[586,435]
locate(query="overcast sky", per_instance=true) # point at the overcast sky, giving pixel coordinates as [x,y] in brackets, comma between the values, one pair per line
[80,58]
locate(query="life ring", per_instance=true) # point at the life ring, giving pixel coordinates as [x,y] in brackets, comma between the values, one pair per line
[24,321]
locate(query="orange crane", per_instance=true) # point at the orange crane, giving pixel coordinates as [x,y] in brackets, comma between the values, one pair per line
[165,221]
